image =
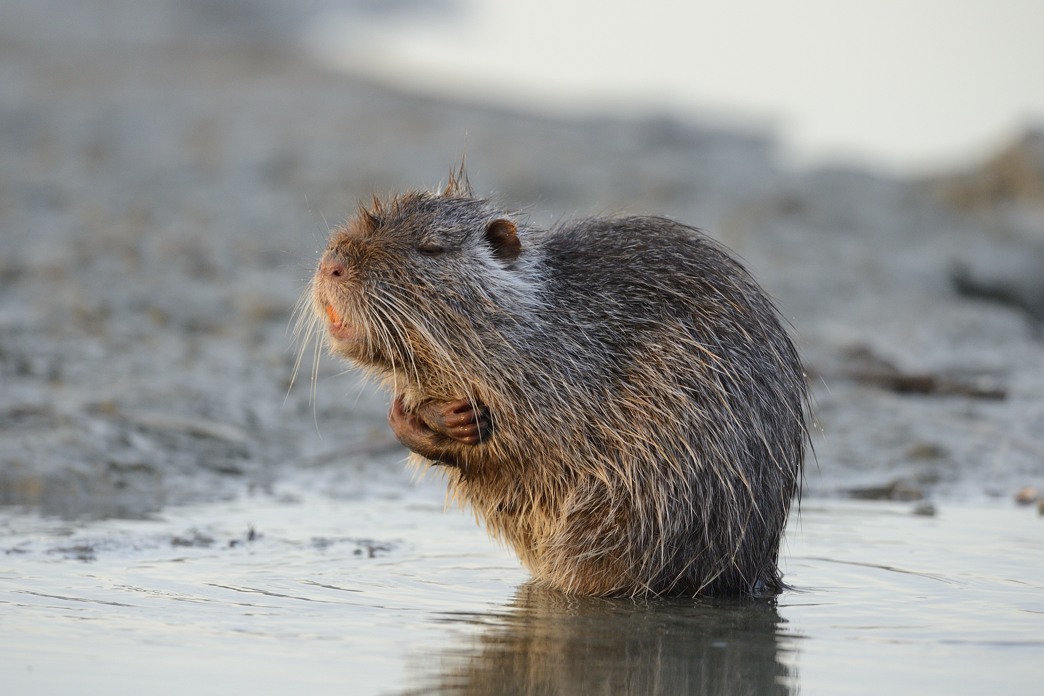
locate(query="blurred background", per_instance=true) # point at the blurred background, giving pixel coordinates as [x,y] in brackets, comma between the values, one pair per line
[169,171]
[909,87]
[177,509]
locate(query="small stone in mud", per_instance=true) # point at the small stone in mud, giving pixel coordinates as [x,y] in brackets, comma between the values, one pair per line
[371,548]
[80,552]
[1027,495]
[193,538]
[924,509]
[926,451]
[251,536]
[367,547]
[900,489]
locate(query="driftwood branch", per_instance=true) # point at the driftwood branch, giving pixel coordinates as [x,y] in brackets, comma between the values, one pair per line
[863,365]
[929,384]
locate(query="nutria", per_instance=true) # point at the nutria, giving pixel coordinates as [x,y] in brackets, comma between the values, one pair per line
[615,397]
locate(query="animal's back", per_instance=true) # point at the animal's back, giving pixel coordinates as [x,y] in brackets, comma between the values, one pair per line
[690,400]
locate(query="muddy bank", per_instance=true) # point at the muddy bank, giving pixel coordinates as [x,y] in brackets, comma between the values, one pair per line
[168,172]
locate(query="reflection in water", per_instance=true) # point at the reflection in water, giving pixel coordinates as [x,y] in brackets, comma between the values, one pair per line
[548,642]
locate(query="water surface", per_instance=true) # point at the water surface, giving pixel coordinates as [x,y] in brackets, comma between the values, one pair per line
[297,590]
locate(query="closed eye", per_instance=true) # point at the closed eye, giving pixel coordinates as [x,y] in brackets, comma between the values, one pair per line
[431,249]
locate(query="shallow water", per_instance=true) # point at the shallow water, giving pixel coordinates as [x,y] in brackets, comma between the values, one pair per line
[391,594]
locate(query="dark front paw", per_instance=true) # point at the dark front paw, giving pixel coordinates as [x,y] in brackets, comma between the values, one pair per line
[463,421]
[440,430]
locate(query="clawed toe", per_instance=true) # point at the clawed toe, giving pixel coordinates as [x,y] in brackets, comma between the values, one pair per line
[462,420]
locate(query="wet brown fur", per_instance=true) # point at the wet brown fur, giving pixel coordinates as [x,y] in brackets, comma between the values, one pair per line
[649,409]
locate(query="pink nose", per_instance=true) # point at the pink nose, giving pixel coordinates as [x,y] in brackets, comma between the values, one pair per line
[332,268]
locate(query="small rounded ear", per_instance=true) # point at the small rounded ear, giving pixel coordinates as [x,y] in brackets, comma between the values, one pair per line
[502,236]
